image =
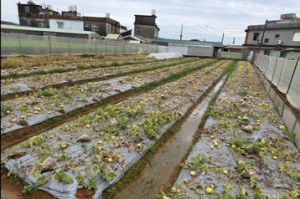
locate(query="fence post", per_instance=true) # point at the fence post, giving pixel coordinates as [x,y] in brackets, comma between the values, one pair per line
[49,41]
[20,47]
[123,48]
[292,75]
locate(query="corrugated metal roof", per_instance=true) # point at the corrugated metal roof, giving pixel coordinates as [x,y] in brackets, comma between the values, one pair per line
[134,42]
[45,29]
[112,36]
[132,37]
[185,42]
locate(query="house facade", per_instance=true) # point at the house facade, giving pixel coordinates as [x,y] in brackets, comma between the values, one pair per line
[43,16]
[26,11]
[275,37]
[145,26]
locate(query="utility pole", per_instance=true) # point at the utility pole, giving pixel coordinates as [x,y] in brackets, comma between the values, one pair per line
[181,33]
[263,35]
[222,38]
[233,40]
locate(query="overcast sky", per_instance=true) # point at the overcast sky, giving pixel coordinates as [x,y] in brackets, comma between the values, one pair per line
[201,19]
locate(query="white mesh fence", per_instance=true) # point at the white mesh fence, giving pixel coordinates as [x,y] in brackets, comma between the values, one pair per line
[278,71]
[271,68]
[293,95]
[24,44]
[265,63]
[284,74]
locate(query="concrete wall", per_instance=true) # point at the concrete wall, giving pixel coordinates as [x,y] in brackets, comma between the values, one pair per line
[67,24]
[203,51]
[230,55]
[286,36]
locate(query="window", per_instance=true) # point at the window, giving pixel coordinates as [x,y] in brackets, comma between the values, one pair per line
[27,9]
[283,54]
[255,36]
[296,36]
[266,40]
[267,52]
[94,27]
[277,35]
[60,25]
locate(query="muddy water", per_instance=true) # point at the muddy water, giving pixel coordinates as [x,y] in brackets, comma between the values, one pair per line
[157,173]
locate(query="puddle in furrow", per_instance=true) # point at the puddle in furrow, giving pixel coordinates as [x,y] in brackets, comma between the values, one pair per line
[157,173]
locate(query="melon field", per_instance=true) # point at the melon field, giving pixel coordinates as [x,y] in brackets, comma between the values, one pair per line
[129,127]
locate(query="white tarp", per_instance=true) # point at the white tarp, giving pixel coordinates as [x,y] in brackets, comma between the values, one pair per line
[293,95]
[161,56]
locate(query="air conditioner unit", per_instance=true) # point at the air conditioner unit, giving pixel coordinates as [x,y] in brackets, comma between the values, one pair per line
[278,42]
[259,41]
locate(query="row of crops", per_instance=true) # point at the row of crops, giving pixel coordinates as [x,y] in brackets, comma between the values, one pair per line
[242,143]
[95,150]
[64,66]
[53,102]
[244,150]
[17,85]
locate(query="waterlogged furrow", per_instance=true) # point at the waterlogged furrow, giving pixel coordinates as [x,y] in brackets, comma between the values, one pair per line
[15,85]
[95,150]
[244,151]
[52,102]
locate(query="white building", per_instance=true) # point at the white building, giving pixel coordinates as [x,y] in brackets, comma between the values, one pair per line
[66,24]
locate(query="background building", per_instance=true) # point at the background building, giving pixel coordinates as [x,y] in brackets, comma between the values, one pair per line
[43,16]
[48,32]
[103,25]
[27,10]
[275,37]
[145,26]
